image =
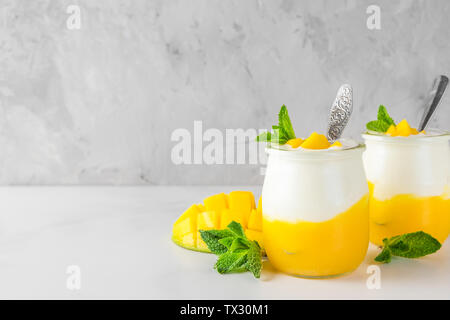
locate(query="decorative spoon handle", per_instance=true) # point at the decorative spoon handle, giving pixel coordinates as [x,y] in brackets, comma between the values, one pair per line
[340,112]
[439,86]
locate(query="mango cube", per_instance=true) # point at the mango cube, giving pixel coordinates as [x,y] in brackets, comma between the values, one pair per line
[336,144]
[392,131]
[217,202]
[187,222]
[241,204]
[255,235]
[208,220]
[228,216]
[259,209]
[403,129]
[316,141]
[295,143]
[255,220]
[188,240]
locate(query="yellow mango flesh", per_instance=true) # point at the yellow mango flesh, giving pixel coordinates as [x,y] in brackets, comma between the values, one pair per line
[217,213]
[241,204]
[405,213]
[295,143]
[255,220]
[316,249]
[402,129]
[185,228]
[255,235]
[316,141]
[217,202]
[336,144]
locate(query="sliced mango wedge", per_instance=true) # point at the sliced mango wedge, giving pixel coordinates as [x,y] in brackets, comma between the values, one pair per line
[216,213]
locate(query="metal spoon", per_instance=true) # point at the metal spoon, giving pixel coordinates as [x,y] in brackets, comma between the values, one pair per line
[439,86]
[340,112]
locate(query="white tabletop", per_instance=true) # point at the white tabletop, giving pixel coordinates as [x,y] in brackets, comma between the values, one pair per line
[119,238]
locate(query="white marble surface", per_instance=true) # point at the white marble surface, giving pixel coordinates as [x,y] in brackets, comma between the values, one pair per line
[98,105]
[120,238]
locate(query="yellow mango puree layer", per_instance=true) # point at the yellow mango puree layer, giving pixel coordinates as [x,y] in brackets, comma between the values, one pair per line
[404,213]
[319,249]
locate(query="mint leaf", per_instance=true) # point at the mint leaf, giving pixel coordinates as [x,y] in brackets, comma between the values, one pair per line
[264,137]
[212,239]
[281,132]
[383,122]
[378,126]
[231,262]
[227,242]
[236,228]
[413,245]
[236,253]
[383,115]
[384,256]
[238,245]
[284,122]
[408,245]
[254,256]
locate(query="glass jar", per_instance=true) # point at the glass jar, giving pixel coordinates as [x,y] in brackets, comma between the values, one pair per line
[315,211]
[408,181]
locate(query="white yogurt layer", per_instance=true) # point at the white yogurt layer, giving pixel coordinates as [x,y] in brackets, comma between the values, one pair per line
[312,185]
[417,165]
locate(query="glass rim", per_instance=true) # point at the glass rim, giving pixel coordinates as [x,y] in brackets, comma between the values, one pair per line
[315,153]
[439,135]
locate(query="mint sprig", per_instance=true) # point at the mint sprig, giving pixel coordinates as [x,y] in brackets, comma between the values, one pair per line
[408,245]
[236,252]
[282,132]
[383,122]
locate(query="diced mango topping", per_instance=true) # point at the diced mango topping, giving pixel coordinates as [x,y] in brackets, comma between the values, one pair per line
[391,131]
[336,144]
[217,213]
[316,141]
[402,129]
[295,143]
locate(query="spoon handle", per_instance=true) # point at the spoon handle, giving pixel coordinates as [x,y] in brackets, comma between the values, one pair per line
[439,86]
[340,112]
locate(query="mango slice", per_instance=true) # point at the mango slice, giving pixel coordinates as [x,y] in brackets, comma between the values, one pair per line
[316,141]
[216,213]
[295,143]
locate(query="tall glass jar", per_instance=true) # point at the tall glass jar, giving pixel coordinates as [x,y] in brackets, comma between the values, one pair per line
[409,184]
[315,213]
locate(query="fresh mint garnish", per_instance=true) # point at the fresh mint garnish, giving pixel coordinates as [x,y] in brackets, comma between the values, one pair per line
[282,132]
[216,240]
[408,245]
[383,122]
[236,252]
